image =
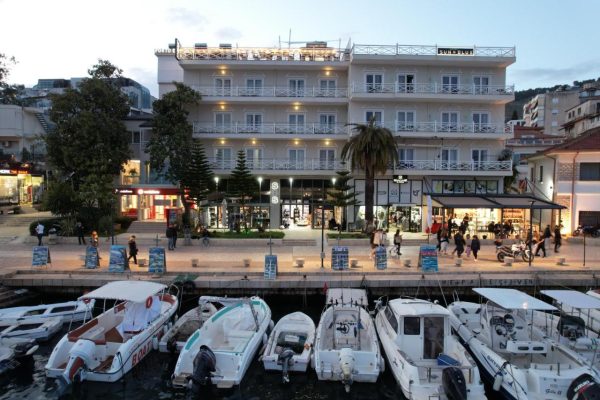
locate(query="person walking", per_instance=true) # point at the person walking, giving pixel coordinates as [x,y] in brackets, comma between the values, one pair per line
[557,238]
[95,242]
[541,245]
[377,241]
[444,242]
[133,250]
[398,242]
[79,231]
[39,230]
[174,236]
[475,246]
[459,242]
[169,235]
[468,244]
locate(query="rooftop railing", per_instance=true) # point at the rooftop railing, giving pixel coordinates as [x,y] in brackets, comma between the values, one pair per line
[441,165]
[273,91]
[432,88]
[323,54]
[419,50]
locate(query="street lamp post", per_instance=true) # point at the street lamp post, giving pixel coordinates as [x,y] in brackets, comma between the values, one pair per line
[260,179]
[530,230]
[217,182]
[291,183]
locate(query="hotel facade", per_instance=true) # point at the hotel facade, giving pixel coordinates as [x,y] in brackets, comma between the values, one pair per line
[289,110]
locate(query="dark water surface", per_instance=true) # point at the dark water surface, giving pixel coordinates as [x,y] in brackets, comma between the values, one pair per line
[150,379]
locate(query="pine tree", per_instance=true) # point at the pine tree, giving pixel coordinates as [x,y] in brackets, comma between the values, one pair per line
[199,178]
[341,195]
[242,184]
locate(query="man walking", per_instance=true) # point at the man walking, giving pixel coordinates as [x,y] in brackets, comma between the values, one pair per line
[557,238]
[169,235]
[39,230]
[79,231]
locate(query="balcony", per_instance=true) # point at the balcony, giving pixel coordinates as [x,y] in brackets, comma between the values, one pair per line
[276,164]
[276,130]
[257,54]
[270,92]
[534,142]
[476,167]
[452,130]
[418,50]
[415,91]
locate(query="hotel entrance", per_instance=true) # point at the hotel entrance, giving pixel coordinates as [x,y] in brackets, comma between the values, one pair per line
[301,202]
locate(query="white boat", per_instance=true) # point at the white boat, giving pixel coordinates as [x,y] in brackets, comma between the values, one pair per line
[501,336]
[221,351]
[40,329]
[70,311]
[13,350]
[572,326]
[346,346]
[290,345]
[174,340]
[427,361]
[108,346]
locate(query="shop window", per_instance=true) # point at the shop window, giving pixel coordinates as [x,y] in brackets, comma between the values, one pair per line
[589,171]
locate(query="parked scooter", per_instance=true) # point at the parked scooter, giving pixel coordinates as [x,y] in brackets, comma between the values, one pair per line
[515,250]
[593,231]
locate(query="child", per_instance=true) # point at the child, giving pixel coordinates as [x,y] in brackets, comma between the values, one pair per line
[444,241]
[468,249]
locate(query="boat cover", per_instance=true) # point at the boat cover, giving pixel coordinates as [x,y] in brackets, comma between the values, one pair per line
[512,299]
[138,316]
[573,298]
[134,291]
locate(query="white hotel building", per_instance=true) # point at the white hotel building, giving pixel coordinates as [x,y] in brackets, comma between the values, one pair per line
[288,109]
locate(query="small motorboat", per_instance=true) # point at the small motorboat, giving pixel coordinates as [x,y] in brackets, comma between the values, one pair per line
[516,360]
[70,311]
[13,351]
[427,361]
[221,351]
[174,340]
[110,345]
[290,345]
[346,345]
[40,329]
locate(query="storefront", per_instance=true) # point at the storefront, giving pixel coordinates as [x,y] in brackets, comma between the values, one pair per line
[18,185]
[302,202]
[148,203]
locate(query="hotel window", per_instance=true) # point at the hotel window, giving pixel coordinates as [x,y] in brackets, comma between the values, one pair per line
[326,88]
[296,157]
[223,158]
[406,83]
[479,156]
[326,123]
[136,137]
[449,121]
[296,87]
[481,84]
[481,122]
[406,121]
[326,159]
[374,83]
[223,86]
[253,122]
[589,171]
[296,123]
[223,122]
[377,115]
[254,158]
[555,100]
[406,158]
[450,84]
[254,87]
[449,158]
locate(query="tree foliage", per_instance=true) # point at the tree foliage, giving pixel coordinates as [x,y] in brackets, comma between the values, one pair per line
[342,195]
[242,184]
[61,199]
[8,93]
[372,149]
[199,179]
[171,144]
[90,143]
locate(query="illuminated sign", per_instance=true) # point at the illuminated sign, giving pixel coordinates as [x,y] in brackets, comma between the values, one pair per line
[400,178]
[124,191]
[151,191]
[454,51]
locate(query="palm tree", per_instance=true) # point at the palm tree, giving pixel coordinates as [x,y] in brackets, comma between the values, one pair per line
[372,149]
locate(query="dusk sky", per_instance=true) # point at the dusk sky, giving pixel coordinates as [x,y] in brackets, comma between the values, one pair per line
[556,42]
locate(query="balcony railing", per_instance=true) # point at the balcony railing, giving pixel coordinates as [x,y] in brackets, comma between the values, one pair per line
[437,165]
[432,88]
[274,164]
[444,127]
[417,50]
[534,142]
[277,91]
[271,128]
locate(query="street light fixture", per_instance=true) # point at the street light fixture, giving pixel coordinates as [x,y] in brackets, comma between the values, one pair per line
[260,179]
[291,183]
[217,182]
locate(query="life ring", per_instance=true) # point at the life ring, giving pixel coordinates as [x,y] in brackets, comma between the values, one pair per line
[149,302]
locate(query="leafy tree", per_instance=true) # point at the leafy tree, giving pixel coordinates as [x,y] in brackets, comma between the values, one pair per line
[515,115]
[373,150]
[241,183]
[341,195]
[61,199]
[8,93]
[506,155]
[171,144]
[90,143]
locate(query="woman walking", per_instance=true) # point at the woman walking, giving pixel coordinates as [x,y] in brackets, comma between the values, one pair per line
[475,246]
[398,242]
[133,250]
[94,241]
[557,238]
[459,242]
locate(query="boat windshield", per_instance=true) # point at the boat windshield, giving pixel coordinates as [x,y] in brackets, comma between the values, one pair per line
[433,342]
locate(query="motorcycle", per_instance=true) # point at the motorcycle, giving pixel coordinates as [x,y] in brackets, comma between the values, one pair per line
[593,231]
[515,250]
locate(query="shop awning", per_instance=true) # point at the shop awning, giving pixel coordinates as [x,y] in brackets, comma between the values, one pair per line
[492,201]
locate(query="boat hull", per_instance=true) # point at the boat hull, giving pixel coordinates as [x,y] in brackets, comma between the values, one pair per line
[298,325]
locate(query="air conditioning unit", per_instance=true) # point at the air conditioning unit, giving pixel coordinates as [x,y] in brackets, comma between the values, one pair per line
[6,144]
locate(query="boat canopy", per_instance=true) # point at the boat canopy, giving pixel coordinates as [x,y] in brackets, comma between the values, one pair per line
[134,291]
[573,298]
[512,299]
[347,296]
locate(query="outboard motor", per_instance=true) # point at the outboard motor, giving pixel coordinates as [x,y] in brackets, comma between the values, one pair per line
[285,359]
[204,364]
[584,388]
[453,382]
[347,365]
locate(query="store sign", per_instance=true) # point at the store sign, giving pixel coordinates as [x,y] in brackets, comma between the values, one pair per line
[400,179]
[455,51]
[124,191]
[8,171]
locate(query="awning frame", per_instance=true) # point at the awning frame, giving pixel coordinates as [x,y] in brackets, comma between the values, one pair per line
[501,201]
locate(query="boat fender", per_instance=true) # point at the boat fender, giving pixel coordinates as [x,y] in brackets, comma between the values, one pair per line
[149,302]
[265,339]
[204,364]
[454,384]
[498,378]
[285,359]
[154,343]
[381,364]
[583,388]
[271,326]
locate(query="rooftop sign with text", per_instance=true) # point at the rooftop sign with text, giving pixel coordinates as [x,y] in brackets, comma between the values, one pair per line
[455,51]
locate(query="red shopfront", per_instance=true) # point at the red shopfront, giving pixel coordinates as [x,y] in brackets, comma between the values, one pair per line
[148,203]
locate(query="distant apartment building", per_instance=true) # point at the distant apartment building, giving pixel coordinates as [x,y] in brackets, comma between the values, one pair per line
[288,110]
[585,116]
[547,111]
